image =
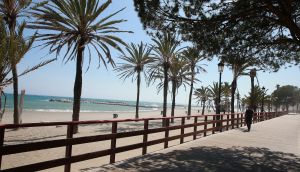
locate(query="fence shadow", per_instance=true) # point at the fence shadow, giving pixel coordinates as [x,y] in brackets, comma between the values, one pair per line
[235,159]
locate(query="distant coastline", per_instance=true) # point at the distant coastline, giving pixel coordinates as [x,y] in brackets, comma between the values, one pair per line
[42,103]
[101,102]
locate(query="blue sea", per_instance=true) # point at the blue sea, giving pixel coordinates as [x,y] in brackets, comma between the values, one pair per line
[64,104]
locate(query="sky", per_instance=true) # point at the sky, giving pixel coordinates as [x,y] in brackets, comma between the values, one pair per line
[57,78]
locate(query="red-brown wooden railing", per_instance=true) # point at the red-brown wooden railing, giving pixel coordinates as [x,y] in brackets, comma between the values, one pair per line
[231,121]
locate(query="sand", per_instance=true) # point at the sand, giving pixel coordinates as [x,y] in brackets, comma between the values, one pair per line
[25,135]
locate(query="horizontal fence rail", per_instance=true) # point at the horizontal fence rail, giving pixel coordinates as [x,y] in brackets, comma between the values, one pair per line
[217,124]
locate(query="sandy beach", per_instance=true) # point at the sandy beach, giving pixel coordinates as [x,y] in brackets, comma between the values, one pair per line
[26,135]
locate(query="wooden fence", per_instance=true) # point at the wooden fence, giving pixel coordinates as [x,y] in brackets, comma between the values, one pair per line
[209,122]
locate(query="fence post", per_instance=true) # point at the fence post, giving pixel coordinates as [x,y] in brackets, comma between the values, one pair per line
[145,136]
[2,132]
[68,153]
[227,122]
[232,121]
[242,118]
[195,127]
[265,116]
[221,126]
[182,130]
[238,120]
[205,125]
[214,124]
[113,142]
[167,121]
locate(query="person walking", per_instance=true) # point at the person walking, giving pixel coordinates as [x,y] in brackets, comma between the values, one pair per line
[248,117]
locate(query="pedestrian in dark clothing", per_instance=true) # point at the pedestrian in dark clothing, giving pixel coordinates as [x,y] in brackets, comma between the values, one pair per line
[248,118]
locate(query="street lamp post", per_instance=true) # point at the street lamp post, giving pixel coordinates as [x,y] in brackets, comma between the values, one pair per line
[252,76]
[220,69]
[218,109]
[262,100]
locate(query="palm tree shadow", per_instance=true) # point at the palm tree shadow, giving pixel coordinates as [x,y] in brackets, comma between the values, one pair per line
[235,159]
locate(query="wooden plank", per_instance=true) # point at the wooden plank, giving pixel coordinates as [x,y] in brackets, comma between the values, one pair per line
[27,147]
[145,137]
[113,142]
[58,162]
[195,128]
[68,153]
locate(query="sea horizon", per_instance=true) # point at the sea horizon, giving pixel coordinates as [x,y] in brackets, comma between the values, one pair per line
[46,103]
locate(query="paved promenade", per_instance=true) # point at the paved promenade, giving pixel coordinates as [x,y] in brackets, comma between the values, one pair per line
[272,145]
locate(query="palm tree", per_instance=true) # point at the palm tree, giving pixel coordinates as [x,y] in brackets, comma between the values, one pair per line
[255,96]
[214,92]
[139,56]
[179,75]
[238,64]
[202,95]
[226,87]
[76,25]
[11,10]
[166,48]
[193,56]
[15,47]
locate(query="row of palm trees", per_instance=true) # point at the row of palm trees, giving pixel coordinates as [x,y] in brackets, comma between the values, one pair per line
[78,27]
[205,95]
[165,62]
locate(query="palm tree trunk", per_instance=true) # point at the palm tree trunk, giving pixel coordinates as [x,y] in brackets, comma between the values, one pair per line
[78,86]
[233,89]
[138,95]
[15,88]
[252,95]
[165,91]
[203,107]
[191,92]
[173,100]
[166,68]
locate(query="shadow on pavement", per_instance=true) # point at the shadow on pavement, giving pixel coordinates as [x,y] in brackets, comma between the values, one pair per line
[210,159]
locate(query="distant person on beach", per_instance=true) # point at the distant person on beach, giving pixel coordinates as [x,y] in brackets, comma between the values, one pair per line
[248,117]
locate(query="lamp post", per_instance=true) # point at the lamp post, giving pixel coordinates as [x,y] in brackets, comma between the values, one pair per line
[218,109]
[262,100]
[252,76]
[220,69]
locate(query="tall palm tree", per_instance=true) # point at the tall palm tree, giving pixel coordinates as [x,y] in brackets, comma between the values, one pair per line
[12,46]
[193,56]
[138,57]
[165,48]
[238,64]
[179,74]
[214,92]
[11,10]
[202,95]
[76,25]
